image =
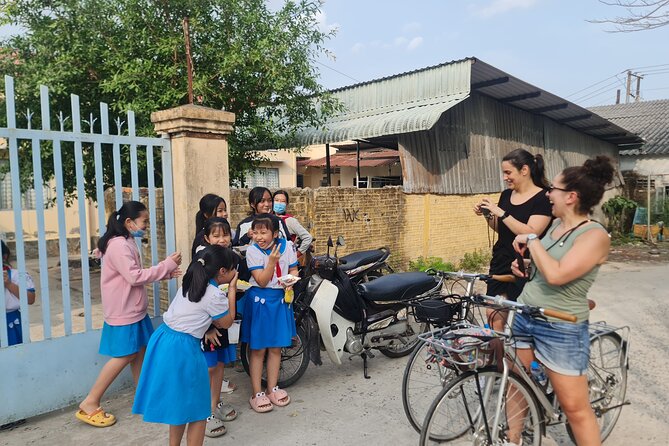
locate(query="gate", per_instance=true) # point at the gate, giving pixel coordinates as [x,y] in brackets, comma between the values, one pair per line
[54,371]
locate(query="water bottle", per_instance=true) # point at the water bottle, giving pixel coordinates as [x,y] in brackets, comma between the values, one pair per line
[539,375]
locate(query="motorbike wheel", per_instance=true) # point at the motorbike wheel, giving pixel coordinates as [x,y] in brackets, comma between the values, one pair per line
[407,346]
[294,360]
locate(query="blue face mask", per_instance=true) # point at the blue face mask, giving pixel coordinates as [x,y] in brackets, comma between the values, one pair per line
[280,208]
[137,233]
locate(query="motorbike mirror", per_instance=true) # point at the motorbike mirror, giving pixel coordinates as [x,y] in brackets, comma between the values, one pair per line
[340,241]
[330,244]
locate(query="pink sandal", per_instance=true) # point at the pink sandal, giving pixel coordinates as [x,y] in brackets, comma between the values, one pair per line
[260,403]
[278,397]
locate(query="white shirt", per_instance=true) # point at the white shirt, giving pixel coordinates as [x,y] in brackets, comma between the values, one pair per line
[257,259]
[12,302]
[195,318]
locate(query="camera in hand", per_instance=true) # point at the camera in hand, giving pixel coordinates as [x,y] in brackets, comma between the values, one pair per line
[486,213]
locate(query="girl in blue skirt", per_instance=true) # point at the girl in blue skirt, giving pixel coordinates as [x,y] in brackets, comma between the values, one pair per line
[174,385]
[268,323]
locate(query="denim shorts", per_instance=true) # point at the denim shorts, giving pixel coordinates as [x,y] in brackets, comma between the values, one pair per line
[563,347]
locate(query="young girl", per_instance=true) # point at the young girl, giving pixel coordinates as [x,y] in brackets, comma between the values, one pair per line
[10,277]
[127,326]
[298,235]
[217,232]
[174,387]
[260,202]
[268,323]
[211,205]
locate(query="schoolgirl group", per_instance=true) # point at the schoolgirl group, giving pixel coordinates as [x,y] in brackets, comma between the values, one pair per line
[179,368]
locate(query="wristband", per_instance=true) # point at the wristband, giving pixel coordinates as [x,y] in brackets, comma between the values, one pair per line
[504,215]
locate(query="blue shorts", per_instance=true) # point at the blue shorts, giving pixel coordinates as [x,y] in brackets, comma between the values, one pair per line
[225,355]
[562,347]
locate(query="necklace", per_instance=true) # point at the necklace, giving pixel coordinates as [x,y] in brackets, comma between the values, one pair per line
[564,237]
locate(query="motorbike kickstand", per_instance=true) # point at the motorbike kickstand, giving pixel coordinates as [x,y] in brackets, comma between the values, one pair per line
[364,365]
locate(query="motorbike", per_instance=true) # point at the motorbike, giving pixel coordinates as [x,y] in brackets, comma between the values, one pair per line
[346,319]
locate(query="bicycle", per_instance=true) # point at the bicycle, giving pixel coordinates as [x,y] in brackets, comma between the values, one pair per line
[484,402]
[424,376]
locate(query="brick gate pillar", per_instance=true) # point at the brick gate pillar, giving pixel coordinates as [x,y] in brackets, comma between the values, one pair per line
[199,139]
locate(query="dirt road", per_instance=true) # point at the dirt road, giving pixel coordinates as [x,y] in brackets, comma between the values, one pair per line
[337,406]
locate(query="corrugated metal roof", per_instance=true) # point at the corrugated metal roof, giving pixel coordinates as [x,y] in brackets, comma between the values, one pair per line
[413,101]
[649,119]
[368,158]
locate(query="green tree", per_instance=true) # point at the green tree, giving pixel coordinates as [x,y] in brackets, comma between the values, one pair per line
[254,62]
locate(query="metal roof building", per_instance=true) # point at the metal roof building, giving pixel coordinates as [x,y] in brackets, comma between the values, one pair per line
[452,123]
[649,119]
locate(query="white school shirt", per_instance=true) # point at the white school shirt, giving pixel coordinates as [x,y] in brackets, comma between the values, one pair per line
[12,302]
[195,318]
[257,259]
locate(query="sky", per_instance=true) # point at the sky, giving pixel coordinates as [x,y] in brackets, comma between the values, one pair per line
[548,43]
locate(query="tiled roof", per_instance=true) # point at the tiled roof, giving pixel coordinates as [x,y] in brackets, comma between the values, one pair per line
[648,119]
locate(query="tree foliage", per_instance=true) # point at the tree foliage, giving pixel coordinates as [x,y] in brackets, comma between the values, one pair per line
[249,60]
[639,15]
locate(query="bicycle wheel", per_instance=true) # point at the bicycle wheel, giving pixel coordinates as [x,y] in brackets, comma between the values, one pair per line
[294,360]
[607,381]
[423,379]
[469,406]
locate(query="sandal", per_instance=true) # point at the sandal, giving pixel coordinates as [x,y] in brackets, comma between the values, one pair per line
[215,427]
[260,403]
[278,397]
[98,418]
[228,387]
[225,412]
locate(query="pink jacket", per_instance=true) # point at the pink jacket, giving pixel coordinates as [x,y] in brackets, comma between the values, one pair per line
[123,280]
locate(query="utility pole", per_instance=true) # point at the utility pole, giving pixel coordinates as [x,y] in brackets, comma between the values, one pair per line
[618,96]
[628,90]
[637,98]
[628,93]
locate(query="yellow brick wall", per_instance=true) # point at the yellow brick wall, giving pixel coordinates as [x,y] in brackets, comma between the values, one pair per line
[411,225]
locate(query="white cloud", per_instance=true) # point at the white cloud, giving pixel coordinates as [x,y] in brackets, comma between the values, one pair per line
[415,43]
[357,48]
[323,24]
[400,41]
[501,6]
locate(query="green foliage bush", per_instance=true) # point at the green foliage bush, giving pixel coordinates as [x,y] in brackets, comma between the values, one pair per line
[619,211]
[475,261]
[425,263]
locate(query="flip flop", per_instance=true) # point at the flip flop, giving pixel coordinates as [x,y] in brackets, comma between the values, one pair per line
[228,387]
[224,410]
[215,427]
[98,418]
[278,397]
[260,403]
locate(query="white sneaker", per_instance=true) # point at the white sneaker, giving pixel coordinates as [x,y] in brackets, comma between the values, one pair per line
[227,387]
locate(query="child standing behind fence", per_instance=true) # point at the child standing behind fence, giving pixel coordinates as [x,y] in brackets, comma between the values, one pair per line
[10,277]
[174,386]
[127,326]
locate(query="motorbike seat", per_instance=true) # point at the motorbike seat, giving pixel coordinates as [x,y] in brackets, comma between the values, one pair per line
[396,287]
[356,259]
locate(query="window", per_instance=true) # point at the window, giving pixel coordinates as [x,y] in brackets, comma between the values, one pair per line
[264,176]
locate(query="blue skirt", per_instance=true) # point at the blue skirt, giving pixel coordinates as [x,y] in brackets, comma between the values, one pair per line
[14,332]
[225,355]
[124,340]
[267,321]
[173,387]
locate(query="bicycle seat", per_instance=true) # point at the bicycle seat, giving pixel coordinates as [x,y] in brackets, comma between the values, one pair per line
[396,287]
[356,259]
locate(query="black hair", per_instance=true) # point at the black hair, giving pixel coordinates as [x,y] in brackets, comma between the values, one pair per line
[6,252]
[589,181]
[208,205]
[255,196]
[521,157]
[267,221]
[217,222]
[284,193]
[204,267]
[116,222]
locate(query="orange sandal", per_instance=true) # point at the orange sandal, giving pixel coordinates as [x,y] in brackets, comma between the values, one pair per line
[260,403]
[97,418]
[278,397]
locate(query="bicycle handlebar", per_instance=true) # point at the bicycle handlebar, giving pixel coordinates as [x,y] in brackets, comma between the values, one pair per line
[470,277]
[530,309]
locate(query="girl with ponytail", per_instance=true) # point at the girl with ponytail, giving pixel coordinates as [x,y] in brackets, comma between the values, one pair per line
[127,327]
[174,386]
[523,207]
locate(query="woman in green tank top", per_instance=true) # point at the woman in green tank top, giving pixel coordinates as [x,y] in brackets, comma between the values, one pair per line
[564,265]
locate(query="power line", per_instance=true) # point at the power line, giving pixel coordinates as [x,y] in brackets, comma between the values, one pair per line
[337,71]
[605,87]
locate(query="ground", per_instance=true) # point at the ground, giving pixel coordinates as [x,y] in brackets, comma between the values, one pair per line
[337,406]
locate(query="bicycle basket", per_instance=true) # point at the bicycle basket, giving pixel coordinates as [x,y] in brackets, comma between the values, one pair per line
[466,348]
[437,311]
